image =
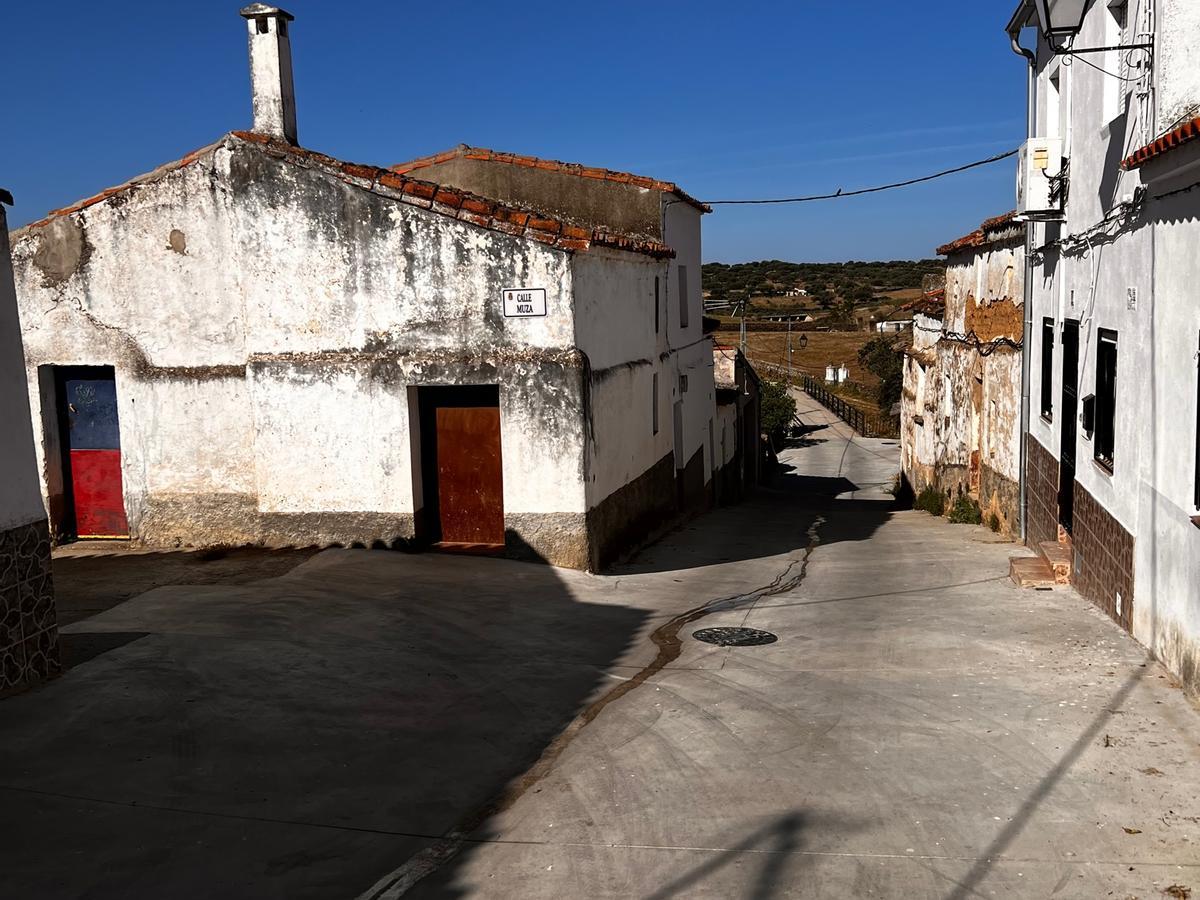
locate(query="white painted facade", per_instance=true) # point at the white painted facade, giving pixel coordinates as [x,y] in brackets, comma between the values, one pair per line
[1124,259]
[20,500]
[265,351]
[961,403]
[273,318]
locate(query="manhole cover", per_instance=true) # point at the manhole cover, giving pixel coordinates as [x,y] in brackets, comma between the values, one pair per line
[734,637]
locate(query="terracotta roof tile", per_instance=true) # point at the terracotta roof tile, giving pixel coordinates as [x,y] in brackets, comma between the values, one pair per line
[462,151]
[1176,137]
[981,236]
[451,202]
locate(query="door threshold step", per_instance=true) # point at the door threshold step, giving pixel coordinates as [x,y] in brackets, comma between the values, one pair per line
[468,549]
[1031,571]
[1060,557]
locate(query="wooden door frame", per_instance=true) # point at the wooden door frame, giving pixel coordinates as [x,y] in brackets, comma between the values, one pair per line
[429,399]
[66,527]
[1069,423]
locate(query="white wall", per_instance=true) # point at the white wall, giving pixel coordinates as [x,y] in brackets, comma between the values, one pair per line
[375,292]
[614,297]
[1151,489]
[1178,61]
[20,502]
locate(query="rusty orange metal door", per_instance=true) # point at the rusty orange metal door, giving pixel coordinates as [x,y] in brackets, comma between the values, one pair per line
[470,478]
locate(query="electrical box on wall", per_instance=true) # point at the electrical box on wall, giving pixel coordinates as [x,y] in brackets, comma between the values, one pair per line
[1039,164]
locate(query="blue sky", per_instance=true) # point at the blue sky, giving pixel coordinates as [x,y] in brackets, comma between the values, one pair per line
[728,100]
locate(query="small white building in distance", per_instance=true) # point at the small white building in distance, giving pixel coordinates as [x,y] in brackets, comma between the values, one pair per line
[270,345]
[28,628]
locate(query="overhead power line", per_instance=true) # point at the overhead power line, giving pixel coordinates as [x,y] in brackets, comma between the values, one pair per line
[871,190]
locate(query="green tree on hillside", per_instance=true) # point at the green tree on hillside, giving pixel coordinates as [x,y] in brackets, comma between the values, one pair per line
[881,357]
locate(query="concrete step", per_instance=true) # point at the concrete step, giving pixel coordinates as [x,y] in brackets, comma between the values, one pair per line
[1030,571]
[1060,557]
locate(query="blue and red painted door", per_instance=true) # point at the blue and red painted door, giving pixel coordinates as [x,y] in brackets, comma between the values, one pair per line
[93,443]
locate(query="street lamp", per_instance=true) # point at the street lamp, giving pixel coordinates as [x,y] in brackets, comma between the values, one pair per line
[1060,20]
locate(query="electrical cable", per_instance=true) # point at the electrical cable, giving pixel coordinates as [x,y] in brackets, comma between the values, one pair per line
[871,190]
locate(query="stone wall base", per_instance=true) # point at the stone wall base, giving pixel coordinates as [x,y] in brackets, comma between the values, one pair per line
[29,652]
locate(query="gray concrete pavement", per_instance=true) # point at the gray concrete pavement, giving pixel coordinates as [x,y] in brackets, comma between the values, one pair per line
[380,725]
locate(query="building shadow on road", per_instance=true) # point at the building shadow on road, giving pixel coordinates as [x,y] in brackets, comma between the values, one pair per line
[776,520]
[299,736]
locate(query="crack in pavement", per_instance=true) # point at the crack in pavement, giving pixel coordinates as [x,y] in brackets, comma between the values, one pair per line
[666,637]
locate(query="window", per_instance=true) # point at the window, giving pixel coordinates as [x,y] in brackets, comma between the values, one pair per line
[1053,126]
[654,403]
[1117,70]
[656,305]
[1197,488]
[1047,369]
[683,297]
[1106,397]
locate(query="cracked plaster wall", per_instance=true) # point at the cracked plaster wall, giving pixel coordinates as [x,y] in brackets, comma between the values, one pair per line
[338,300]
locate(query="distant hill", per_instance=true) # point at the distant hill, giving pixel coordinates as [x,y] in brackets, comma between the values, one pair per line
[824,283]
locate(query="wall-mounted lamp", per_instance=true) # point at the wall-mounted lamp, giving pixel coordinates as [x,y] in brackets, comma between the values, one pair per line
[1060,22]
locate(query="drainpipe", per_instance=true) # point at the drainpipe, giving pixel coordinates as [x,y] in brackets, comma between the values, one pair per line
[1014,35]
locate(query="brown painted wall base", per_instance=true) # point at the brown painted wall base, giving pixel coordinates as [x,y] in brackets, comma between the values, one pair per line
[29,651]
[629,515]
[1103,558]
[1041,498]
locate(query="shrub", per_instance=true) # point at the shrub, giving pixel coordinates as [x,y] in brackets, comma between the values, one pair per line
[994,523]
[932,501]
[965,511]
[778,410]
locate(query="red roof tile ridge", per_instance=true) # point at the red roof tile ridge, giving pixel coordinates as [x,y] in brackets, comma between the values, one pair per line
[457,204]
[465,151]
[978,237]
[1182,134]
[463,205]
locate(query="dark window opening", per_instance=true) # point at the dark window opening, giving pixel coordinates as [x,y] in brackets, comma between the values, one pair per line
[1106,398]
[261,25]
[683,297]
[656,304]
[1047,369]
[654,404]
[1197,488]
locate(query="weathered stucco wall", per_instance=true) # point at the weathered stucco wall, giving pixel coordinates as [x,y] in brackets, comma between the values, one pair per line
[1177,57]
[961,403]
[338,299]
[598,203]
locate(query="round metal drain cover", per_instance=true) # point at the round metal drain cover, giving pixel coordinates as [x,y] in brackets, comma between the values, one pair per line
[734,637]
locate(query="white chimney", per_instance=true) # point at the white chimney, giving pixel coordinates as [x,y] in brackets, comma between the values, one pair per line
[271,71]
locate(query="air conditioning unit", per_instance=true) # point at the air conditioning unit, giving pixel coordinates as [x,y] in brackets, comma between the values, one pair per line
[1039,168]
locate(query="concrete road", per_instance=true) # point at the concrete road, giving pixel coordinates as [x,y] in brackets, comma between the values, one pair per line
[372,724]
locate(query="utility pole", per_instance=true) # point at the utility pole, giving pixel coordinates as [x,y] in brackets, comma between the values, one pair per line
[743,335]
[789,350]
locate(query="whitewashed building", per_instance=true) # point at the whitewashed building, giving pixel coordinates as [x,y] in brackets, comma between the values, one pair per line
[29,650]
[960,423]
[1113,448]
[274,346]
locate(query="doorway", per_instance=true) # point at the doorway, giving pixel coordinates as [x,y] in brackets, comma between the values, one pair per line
[461,465]
[1069,427]
[89,429]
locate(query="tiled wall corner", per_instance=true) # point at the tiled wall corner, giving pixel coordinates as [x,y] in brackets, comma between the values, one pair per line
[29,651]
